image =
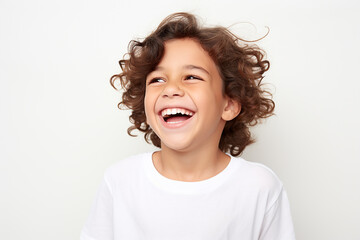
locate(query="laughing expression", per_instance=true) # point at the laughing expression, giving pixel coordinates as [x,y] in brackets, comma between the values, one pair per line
[184,101]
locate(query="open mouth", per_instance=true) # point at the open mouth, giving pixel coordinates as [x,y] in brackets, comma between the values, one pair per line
[176,115]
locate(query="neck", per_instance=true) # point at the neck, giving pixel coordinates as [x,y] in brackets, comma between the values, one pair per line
[190,166]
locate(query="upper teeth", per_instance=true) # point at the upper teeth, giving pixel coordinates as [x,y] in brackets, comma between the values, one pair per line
[173,111]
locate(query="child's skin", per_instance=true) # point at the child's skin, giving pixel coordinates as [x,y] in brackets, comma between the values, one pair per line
[188,79]
[185,104]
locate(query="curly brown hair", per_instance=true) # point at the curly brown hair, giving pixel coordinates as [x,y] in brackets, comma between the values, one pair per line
[241,67]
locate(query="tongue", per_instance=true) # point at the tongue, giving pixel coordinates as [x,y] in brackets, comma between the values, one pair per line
[176,119]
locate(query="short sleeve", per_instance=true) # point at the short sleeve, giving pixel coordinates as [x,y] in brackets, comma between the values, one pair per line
[277,224]
[99,225]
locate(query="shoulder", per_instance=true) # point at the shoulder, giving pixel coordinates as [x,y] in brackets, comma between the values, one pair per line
[256,173]
[258,178]
[127,168]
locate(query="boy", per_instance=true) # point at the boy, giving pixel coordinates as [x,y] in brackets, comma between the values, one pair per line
[194,91]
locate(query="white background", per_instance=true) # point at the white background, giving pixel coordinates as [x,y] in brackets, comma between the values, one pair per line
[60,128]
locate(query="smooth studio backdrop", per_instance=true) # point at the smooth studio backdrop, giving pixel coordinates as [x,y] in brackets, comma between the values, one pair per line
[60,128]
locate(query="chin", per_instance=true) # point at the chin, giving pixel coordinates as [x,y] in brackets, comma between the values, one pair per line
[175,146]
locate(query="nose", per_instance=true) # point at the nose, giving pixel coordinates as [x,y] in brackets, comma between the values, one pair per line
[172,89]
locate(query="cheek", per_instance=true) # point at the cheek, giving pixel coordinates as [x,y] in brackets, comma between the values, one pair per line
[146,106]
[209,98]
[149,105]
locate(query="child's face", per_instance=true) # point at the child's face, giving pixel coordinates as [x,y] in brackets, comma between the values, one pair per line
[184,103]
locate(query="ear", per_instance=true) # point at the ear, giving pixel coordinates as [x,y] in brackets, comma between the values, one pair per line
[232,108]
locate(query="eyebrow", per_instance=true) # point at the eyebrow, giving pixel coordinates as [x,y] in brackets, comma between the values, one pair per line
[196,67]
[159,68]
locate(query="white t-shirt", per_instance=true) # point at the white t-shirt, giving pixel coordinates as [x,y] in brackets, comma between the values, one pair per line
[246,201]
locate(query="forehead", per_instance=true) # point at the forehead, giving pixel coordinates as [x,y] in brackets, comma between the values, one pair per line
[186,52]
